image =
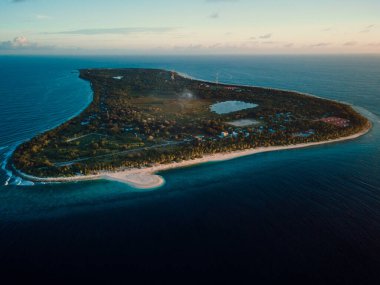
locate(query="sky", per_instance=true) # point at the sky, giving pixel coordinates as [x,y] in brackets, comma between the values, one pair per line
[189,27]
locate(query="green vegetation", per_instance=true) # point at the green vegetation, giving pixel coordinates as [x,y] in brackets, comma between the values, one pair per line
[141,117]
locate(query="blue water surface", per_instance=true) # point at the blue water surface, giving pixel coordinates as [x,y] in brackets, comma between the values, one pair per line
[227,107]
[312,213]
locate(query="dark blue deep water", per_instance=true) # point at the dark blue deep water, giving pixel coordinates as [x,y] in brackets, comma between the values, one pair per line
[310,215]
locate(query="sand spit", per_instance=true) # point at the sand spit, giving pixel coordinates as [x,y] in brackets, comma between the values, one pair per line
[146,178]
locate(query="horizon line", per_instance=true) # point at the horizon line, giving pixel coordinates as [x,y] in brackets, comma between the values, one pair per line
[193,55]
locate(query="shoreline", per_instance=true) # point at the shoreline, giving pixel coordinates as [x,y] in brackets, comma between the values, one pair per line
[146,178]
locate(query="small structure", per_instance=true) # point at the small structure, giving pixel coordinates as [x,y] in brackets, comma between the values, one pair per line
[223,134]
[305,134]
[338,122]
[243,123]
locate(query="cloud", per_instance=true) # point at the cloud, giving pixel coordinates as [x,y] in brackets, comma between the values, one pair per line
[6,45]
[266,36]
[367,29]
[21,43]
[190,47]
[327,30]
[214,16]
[116,31]
[217,45]
[289,45]
[322,44]
[17,42]
[350,44]
[43,17]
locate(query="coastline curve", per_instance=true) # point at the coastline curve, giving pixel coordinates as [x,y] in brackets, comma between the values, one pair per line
[146,178]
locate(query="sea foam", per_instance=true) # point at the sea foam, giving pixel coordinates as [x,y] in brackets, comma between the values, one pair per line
[11,179]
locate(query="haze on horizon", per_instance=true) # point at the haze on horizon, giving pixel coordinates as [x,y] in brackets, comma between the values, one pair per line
[189,27]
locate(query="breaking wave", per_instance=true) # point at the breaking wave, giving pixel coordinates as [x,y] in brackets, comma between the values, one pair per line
[12,179]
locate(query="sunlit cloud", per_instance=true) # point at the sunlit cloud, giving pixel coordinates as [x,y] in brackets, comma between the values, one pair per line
[117,31]
[350,43]
[21,43]
[266,36]
[190,47]
[17,42]
[217,45]
[367,29]
[322,44]
[224,25]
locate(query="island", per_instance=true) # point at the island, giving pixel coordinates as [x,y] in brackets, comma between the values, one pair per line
[142,121]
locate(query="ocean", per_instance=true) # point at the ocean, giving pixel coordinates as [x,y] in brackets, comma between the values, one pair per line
[308,214]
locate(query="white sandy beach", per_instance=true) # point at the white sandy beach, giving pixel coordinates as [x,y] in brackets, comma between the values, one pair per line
[146,178]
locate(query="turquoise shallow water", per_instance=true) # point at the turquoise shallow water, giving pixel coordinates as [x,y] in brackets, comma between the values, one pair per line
[310,212]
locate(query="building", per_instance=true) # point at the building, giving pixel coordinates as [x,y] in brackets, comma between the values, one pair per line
[232,88]
[339,122]
[223,134]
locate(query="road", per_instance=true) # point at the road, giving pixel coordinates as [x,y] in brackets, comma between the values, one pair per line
[71,162]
